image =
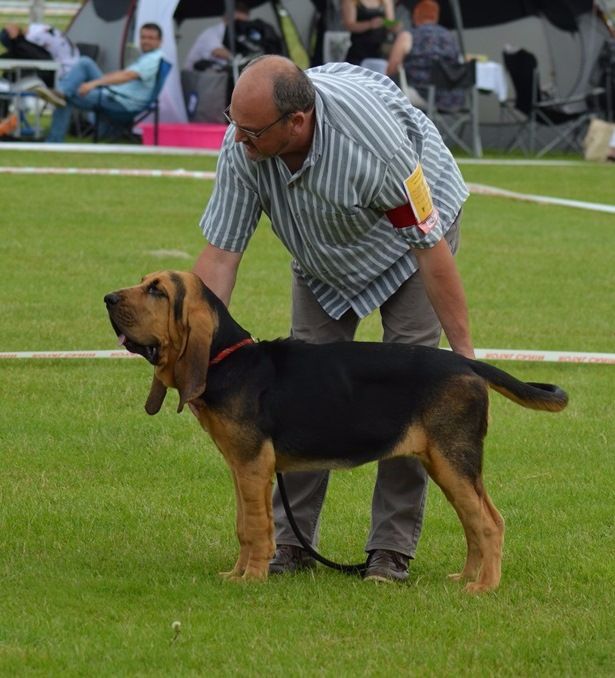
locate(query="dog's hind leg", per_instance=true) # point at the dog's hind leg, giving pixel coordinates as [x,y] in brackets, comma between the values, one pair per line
[482,524]
[473,559]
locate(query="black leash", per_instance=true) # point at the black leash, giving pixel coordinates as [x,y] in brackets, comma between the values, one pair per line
[359,568]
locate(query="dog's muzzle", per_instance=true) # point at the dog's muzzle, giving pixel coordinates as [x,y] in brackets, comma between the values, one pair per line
[149,351]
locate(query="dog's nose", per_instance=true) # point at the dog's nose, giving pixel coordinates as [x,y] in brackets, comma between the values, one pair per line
[112,299]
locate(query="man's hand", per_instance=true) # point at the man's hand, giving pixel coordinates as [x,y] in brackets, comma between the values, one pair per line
[86,87]
[444,288]
[222,53]
[114,78]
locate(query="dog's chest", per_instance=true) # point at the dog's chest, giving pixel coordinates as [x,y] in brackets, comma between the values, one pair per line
[203,415]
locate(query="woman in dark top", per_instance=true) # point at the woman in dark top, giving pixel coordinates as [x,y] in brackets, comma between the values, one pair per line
[372,26]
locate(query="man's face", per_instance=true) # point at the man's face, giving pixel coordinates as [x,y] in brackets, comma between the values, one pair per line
[149,40]
[264,132]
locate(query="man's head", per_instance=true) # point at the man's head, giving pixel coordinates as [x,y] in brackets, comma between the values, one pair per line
[242,10]
[272,108]
[9,33]
[426,12]
[150,37]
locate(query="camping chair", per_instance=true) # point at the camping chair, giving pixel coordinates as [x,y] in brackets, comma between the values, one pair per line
[533,108]
[451,122]
[131,118]
[335,46]
[88,49]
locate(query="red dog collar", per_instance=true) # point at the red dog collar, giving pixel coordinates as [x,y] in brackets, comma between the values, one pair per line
[225,353]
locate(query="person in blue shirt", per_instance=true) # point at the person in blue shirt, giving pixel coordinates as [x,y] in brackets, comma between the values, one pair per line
[86,87]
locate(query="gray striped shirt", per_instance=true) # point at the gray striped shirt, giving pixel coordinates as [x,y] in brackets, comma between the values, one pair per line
[330,214]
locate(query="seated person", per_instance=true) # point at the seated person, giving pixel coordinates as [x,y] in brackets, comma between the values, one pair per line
[417,48]
[87,88]
[372,27]
[50,41]
[252,37]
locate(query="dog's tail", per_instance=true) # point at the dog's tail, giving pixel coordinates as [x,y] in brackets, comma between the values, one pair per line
[528,394]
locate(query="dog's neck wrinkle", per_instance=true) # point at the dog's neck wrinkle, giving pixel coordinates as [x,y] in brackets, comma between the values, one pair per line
[228,331]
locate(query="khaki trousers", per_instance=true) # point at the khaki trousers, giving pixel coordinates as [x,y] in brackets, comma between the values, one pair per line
[400,492]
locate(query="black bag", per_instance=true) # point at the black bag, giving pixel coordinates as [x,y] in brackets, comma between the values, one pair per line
[20,48]
[253,38]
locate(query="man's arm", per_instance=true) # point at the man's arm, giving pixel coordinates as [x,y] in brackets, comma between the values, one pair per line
[218,270]
[444,288]
[113,78]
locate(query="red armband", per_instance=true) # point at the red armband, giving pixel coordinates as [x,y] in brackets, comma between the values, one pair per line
[402,216]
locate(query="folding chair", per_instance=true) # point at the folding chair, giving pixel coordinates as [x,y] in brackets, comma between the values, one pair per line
[532,108]
[335,46]
[89,49]
[451,122]
[131,118]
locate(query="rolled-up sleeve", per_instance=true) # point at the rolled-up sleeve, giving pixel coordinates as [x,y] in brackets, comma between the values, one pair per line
[393,195]
[234,208]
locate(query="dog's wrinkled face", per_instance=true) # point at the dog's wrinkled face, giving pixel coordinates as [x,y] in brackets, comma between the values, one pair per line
[166,320]
[140,315]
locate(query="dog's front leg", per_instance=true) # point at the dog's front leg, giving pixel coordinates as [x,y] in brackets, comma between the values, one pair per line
[254,484]
[244,547]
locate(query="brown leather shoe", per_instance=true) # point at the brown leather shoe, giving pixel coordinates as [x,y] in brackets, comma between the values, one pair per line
[386,566]
[290,559]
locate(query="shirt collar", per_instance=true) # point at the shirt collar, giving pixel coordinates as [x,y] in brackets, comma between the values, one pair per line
[316,148]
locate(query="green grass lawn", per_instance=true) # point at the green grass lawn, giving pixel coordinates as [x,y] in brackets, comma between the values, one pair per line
[114,524]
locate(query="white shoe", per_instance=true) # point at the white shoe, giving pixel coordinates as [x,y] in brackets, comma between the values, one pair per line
[51,95]
[28,84]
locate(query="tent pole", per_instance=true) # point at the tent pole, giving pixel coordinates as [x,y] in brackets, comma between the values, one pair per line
[230,27]
[458,25]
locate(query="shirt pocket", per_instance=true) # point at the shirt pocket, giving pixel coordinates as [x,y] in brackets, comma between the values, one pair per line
[342,225]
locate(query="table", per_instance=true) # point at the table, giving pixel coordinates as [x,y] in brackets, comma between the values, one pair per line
[17,66]
[491,77]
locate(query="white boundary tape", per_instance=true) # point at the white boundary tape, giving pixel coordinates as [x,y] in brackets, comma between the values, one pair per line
[482,189]
[481,354]
[110,171]
[105,149]
[476,189]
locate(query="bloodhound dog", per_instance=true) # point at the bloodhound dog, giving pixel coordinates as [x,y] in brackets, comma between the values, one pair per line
[285,405]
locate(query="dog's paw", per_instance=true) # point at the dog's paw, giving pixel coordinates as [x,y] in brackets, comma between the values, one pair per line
[255,574]
[463,576]
[476,588]
[232,578]
[235,573]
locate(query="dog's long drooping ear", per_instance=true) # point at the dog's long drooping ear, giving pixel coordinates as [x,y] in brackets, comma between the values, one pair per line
[156,396]
[191,366]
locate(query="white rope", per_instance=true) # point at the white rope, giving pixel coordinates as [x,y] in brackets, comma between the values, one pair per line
[476,189]
[111,172]
[524,355]
[481,189]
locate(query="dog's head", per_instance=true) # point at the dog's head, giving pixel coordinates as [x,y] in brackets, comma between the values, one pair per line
[168,320]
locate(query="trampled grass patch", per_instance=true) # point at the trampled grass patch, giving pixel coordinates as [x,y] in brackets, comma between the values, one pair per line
[114,524]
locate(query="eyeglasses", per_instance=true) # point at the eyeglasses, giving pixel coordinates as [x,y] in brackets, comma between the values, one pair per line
[250,133]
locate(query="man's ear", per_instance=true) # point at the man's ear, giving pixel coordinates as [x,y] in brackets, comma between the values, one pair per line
[190,369]
[156,396]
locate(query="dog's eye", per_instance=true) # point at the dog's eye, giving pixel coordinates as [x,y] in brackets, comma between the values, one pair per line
[154,290]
